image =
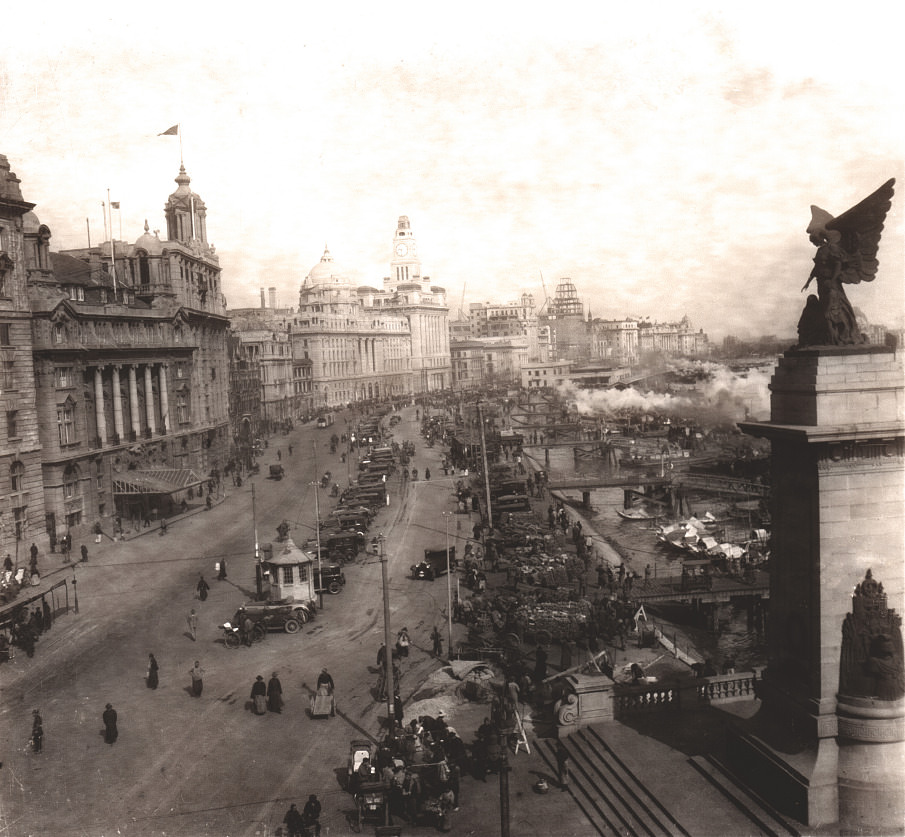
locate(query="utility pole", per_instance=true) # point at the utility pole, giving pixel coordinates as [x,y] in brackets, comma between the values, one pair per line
[388,662]
[449,646]
[317,532]
[486,471]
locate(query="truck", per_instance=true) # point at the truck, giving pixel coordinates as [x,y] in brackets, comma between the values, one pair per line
[325,420]
[435,564]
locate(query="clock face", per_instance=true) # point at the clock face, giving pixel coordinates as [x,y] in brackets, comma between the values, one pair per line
[401,249]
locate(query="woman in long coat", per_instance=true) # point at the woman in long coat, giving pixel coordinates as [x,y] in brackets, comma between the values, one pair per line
[275,694]
[152,672]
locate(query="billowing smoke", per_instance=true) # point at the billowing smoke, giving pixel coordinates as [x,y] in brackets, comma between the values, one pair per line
[719,394]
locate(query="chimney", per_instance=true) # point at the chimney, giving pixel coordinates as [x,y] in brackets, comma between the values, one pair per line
[262,298]
[273,297]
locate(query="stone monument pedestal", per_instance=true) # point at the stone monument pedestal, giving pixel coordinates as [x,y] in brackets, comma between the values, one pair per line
[837,427]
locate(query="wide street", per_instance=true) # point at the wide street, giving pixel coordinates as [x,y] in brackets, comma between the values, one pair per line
[208,766]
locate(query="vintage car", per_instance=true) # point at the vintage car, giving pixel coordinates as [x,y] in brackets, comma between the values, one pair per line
[277,616]
[329,579]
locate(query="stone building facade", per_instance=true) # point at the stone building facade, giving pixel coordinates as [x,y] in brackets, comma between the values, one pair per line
[128,357]
[22,241]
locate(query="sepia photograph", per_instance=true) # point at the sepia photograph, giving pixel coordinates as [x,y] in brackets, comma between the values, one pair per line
[473,419]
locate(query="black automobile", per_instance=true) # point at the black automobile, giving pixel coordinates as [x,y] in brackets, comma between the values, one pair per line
[333,579]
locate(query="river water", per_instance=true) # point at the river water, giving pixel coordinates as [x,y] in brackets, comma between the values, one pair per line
[637,543]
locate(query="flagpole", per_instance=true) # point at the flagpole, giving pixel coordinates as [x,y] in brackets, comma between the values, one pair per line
[112,246]
[104,212]
[88,227]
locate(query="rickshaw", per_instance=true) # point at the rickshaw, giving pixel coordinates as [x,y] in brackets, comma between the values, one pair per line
[359,750]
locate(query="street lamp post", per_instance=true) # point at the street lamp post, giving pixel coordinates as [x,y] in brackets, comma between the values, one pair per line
[317,533]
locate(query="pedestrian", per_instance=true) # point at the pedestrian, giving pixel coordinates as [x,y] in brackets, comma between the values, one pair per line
[324,679]
[221,574]
[647,572]
[290,453]
[152,671]
[33,549]
[37,731]
[210,504]
[202,587]
[247,629]
[259,696]
[279,455]
[403,642]
[48,614]
[295,826]
[564,765]
[437,639]
[193,624]
[84,554]
[197,675]
[275,694]
[98,532]
[111,733]
[312,811]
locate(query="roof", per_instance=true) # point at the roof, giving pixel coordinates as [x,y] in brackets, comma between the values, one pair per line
[286,552]
[164,481]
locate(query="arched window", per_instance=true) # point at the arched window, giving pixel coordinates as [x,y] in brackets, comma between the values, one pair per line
[17,476]
[71,482]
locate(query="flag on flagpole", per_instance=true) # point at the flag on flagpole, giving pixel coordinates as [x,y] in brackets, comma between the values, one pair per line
[172,131]
[114,204]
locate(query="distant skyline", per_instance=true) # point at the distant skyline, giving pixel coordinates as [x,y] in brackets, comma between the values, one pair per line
[663,158]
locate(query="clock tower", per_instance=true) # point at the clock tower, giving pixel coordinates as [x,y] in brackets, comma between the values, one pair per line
[405,265]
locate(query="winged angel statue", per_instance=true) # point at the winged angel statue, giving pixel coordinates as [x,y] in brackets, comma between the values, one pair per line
[846,254]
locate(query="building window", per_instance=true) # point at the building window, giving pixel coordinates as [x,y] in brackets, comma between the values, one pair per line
[5,337]
[20,517]
[70,483]
[7,379]
[64,376]
[287,574]
[16,476]
[180,369]
[12,424]
[182,409]
[66,424]
[58,334]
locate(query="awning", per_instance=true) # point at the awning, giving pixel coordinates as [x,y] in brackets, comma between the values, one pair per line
[163,481]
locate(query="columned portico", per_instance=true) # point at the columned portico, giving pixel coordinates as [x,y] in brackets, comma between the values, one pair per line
[99,404]
[149,398]
[117,405]
[164,397]
[133,400]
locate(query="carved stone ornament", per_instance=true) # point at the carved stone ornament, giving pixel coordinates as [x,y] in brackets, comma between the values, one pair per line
[872,663]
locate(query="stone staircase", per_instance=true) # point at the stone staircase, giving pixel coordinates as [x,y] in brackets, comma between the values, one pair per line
[625,795]
[614,800]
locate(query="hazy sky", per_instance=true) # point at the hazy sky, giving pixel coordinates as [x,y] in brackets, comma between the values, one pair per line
[664,158]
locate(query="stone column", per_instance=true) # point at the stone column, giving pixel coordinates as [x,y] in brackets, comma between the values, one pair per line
[164,397]
[99,405]
[117,405]
[133,400]
[149,398]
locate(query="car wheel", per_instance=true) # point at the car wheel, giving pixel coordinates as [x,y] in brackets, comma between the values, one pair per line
[291,626]
[301,616]
[334,587]
[232,641]
[259,632]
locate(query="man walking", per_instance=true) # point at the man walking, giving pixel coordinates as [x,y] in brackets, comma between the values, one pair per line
[437,639]
[197,675]
[193,624]
[111,733]
[202,587]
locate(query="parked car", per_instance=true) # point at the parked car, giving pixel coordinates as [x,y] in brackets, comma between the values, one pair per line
[333,579]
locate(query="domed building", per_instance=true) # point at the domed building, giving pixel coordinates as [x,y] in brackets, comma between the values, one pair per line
[372,343]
